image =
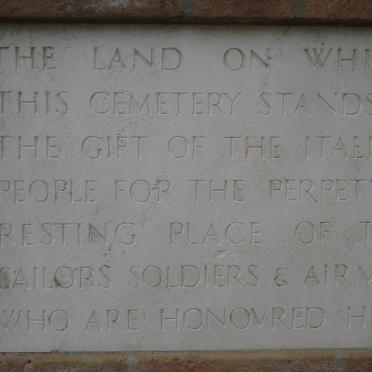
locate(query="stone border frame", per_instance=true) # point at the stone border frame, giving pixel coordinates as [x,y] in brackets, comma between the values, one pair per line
[266,12]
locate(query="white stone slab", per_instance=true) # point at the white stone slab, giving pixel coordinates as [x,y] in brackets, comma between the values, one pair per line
[185,188]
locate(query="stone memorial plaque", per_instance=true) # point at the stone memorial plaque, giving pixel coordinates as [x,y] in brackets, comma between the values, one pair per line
[185,188]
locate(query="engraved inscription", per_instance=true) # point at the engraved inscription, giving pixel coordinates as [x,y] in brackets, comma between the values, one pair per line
[184,188]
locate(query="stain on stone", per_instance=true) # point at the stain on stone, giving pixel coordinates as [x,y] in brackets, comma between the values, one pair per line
[298,7]
[341,361]
[4,280]
[187,8]
[133,365]
[56,282]
[28,367]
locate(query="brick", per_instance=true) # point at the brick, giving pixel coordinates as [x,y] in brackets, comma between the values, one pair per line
[338,11]
[251,11]
[286,11]
[89,10]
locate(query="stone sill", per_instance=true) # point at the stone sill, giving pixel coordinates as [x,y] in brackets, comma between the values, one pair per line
[306,12]
[216,361]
